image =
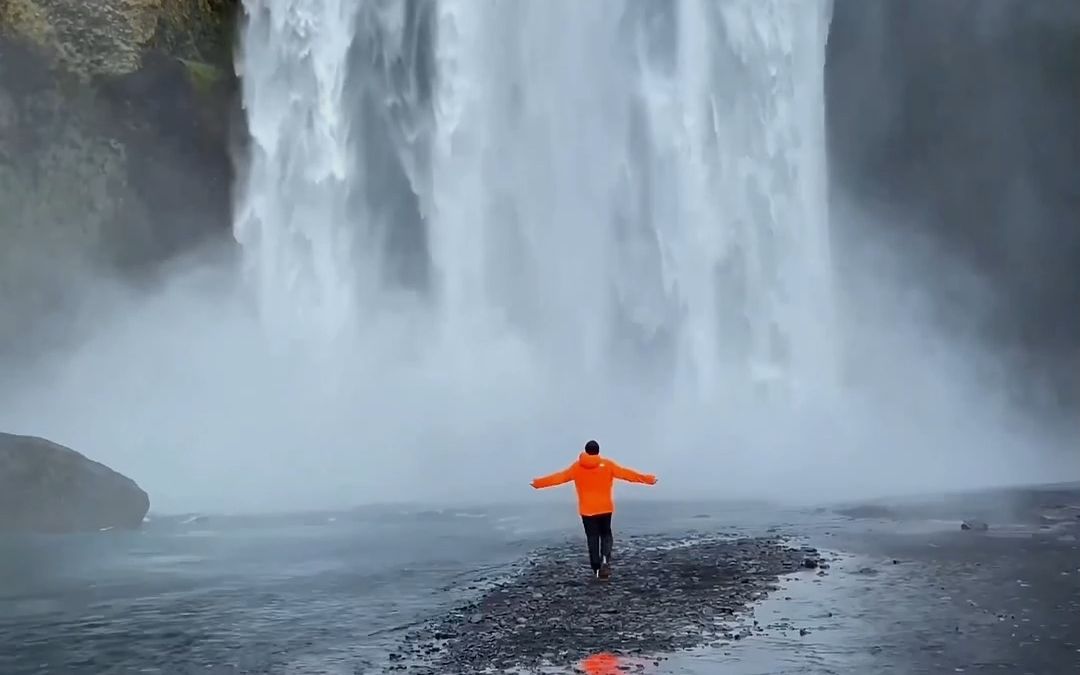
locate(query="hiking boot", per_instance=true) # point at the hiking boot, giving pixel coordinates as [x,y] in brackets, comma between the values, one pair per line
[604,572]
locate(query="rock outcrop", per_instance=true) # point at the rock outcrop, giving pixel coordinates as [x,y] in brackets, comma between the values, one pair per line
[110,37]
[48,488]
[115,119]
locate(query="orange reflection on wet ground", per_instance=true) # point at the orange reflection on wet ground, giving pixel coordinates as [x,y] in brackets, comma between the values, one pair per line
[602,664]
[606,663]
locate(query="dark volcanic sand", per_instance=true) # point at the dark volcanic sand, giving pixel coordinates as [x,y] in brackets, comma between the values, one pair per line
[663,596]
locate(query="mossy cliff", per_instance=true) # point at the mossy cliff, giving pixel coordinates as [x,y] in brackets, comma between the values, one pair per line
[115,120]
[110,37]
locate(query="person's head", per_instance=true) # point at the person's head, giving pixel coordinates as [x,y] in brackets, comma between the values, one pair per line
[592,448]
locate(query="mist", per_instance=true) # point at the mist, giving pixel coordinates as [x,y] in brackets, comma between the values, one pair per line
[184,385]
[181,388]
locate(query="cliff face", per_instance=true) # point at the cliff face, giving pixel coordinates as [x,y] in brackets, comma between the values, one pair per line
[115,118]
[961,120]
[110,37]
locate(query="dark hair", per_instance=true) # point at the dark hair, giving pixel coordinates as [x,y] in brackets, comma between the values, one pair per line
[592,448]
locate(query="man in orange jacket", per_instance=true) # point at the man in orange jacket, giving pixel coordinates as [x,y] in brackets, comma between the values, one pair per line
[593,478]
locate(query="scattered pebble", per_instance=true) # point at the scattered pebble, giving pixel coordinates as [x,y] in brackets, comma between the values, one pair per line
[658,600]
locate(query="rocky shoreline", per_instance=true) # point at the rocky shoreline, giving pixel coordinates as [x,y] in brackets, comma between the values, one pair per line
[664,596]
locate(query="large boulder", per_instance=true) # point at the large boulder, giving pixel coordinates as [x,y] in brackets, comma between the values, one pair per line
[48,488]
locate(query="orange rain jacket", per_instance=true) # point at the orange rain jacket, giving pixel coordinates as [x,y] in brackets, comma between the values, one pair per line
[593,476]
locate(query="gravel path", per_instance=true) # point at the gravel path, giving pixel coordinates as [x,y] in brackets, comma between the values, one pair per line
[663,596]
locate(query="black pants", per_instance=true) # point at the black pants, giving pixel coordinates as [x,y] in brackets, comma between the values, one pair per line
[598,534]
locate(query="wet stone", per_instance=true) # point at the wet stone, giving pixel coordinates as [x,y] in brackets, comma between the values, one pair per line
[659,599]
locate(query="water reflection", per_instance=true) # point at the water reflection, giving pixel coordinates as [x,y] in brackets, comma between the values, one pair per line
[606,663]
[602,664]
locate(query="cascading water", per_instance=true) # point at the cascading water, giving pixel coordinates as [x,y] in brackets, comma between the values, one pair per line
[517,223]
[294,222]
[750,245]
[478,233]
[616,184]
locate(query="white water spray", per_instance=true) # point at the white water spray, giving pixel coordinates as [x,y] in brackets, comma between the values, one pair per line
[294,221]
[614,185]
[477,234]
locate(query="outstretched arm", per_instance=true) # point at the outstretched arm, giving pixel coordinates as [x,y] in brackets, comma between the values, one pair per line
[629,475]
[557,478]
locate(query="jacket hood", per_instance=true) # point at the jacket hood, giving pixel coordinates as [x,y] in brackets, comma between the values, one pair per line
[588,461]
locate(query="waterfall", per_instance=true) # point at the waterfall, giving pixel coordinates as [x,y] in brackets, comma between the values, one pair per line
[628,190]
[476,233]
[294,224]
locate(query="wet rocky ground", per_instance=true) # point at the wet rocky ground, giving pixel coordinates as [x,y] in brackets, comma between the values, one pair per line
[1043,506]
[663,596]
[991,585]
[907,590]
